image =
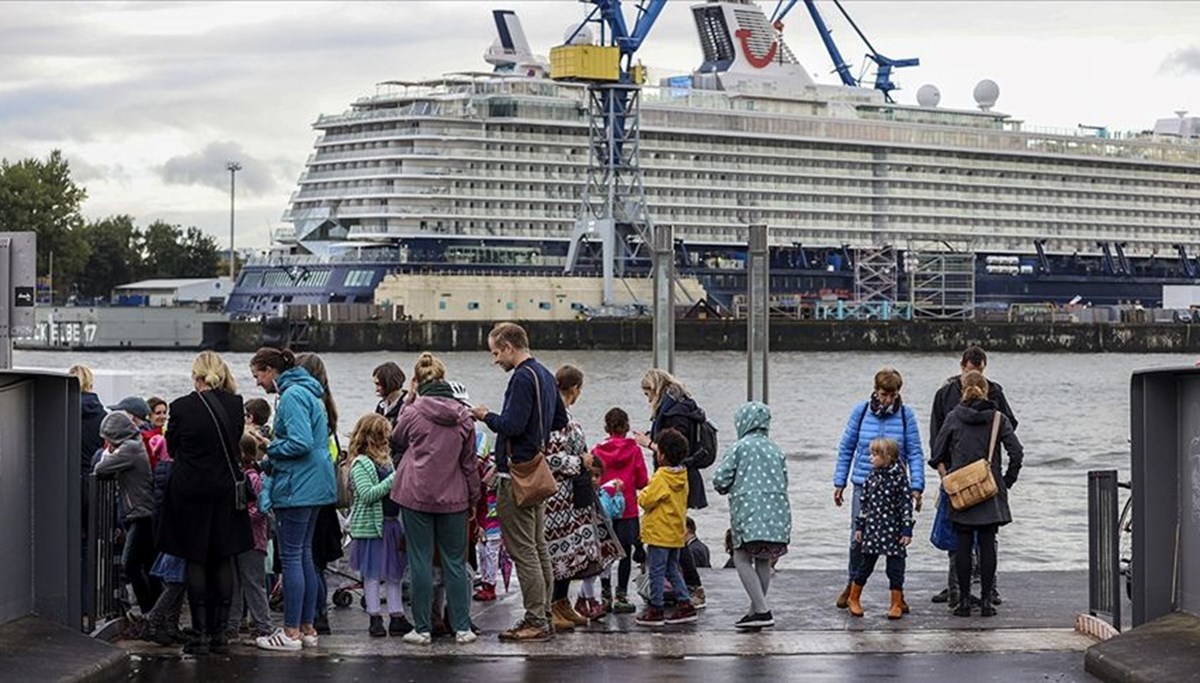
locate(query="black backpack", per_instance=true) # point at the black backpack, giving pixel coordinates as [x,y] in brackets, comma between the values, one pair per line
[704,444]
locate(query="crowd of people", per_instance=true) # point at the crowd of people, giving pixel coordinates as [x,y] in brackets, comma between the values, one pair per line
[225,503]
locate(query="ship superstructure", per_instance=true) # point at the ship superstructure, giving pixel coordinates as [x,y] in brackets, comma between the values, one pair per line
[484,172]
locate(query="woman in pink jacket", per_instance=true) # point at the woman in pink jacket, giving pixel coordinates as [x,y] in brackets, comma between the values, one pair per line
[437,483]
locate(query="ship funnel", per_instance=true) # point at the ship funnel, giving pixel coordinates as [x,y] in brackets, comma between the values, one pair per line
[511,48]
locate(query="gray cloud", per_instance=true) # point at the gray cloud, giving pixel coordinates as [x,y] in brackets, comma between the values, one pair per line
[1182,62]
[207,168]
[84,172]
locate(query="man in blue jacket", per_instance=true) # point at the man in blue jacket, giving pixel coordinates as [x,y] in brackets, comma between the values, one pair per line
[532,409]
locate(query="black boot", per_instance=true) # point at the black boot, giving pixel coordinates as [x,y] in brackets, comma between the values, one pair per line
[218,644]
[376,629]
[321,624]
[197,645]
[399,626]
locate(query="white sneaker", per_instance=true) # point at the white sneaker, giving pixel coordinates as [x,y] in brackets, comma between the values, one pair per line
[465,637]
[278,641]
[309,640]
[415,637]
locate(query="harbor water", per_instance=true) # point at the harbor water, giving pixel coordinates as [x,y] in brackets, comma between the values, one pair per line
[1073,411]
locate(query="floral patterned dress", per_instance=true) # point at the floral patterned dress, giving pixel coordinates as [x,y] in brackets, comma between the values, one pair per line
[580,544]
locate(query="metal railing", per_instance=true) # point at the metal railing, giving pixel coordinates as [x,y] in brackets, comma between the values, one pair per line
[1104,542]
[103,562]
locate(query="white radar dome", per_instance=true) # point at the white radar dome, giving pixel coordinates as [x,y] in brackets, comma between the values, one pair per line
[582,35]
[928,95]
[986,94]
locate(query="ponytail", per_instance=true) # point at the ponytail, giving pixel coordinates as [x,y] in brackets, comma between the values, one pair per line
[975,387]
[279,360]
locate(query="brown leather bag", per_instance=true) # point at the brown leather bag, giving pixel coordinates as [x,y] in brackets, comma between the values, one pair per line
[974,483]
[532,480]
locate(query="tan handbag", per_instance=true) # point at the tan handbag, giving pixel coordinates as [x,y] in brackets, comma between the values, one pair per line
[532,480]
[974,483]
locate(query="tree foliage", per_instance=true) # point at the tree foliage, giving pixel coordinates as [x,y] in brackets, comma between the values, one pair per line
[39,196]
[93,257]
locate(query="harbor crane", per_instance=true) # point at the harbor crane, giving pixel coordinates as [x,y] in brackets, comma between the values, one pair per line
[885,65]
[613,206]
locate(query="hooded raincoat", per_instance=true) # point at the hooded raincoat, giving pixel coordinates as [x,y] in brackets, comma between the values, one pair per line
[753,473]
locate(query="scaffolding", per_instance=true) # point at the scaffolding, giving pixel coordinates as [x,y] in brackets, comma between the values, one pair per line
[876,276]
[941,284]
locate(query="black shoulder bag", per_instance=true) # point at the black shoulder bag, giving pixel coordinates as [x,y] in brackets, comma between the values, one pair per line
[243,492]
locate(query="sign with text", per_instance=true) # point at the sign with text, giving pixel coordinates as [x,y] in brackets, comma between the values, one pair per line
[19,279]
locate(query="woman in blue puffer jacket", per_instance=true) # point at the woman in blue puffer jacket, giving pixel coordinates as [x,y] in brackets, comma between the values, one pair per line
[302,480]
[883,416]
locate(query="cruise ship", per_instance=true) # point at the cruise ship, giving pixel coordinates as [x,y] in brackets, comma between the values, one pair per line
[482,173]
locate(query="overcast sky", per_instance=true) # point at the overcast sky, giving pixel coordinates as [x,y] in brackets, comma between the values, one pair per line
[149,100]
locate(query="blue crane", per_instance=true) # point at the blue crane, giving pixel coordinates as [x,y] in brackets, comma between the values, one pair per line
[615,31]
[613,203]
[883,74]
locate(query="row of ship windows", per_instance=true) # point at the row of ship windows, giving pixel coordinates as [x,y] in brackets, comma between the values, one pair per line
[305,279]
[1083,231]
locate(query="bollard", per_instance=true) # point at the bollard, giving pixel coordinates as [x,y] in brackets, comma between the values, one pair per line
[758,290]
[664,298]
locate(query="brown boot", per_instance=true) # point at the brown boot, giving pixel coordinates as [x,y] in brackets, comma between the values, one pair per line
[897,609]
[570,612]
[559,618]
[853,602]
[843,600]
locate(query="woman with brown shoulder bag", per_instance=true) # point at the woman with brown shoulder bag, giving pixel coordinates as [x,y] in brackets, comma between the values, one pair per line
[971,433]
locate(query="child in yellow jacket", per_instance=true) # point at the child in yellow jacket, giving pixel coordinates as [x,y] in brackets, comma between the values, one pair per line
[664,529]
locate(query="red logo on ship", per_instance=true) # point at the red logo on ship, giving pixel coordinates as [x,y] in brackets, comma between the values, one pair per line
[743,36]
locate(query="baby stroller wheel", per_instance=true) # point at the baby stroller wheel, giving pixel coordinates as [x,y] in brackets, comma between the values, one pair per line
[342,598]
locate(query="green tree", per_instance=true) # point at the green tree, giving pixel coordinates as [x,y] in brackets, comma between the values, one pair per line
[116,255]
[171,252]
[39,195]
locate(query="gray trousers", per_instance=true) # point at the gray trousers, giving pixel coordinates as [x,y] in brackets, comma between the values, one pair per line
[250,589]
[755,574]
[524,532]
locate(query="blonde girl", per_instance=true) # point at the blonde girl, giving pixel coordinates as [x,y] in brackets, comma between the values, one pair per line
[375,524]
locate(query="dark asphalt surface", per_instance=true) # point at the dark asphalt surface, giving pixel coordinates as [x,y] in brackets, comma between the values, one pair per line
[1051,667]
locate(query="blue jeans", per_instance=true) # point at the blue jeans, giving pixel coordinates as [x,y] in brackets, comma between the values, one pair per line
[855,547]
[895,570]
[664,562]
[295,528]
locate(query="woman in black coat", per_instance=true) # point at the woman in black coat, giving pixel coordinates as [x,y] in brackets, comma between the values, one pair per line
[963,439]
[199,520]
[672,408]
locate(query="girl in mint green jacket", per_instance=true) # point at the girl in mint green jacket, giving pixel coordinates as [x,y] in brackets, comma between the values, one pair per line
[753,473]
[375,523]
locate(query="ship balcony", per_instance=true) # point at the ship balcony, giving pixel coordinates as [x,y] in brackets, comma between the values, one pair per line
[284,235]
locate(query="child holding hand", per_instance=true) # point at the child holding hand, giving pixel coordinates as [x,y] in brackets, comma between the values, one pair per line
[885,525]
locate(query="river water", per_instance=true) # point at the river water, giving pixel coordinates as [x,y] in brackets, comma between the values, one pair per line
[1073,412]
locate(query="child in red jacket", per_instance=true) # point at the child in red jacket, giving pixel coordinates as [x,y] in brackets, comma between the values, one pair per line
[623,460]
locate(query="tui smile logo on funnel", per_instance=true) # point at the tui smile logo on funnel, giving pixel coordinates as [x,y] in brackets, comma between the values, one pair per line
[743,36]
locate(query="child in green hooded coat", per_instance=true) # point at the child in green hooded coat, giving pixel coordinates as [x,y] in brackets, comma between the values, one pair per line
[753,473]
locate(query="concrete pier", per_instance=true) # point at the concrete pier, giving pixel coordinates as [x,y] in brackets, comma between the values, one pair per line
[1032,634]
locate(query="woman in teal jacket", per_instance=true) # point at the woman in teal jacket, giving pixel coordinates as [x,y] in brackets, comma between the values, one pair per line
[753,473]
[302,480]
[884,415]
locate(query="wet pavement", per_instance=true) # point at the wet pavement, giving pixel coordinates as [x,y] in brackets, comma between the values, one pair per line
[1032,638]
[1009,667]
